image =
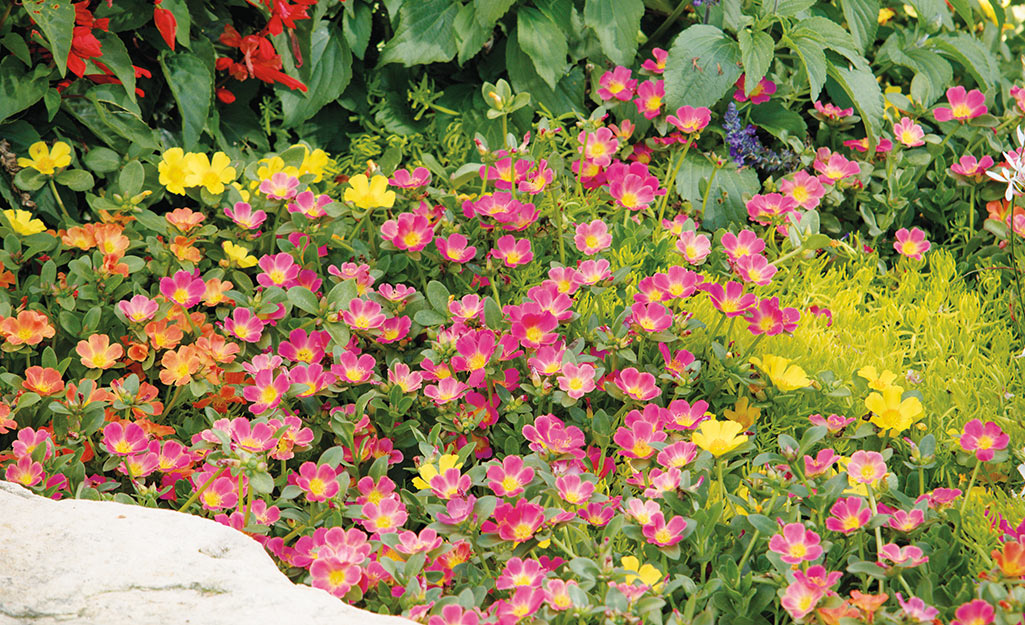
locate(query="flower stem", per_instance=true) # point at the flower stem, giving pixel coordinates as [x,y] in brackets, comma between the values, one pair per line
[747,554]
[60,202]
[191,500]
[672,178]
[313,521]
[967,492]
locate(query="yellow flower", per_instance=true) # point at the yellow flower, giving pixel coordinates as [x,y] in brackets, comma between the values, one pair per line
[891,413]
[314,163]
[987,10]
[647,574]
[743,413]
[719,437]
[22,222]
[877,381]
[47,160]
[786,378]
[173,168]
[241,191]
[369,194]
[428,471]
[212,174]
[238,255]
[270,166]
[885,14]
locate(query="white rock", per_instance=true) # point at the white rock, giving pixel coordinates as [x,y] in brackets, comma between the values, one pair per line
[105,563]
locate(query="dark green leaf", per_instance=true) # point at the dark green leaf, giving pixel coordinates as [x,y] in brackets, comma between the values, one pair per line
[567,96]
[425,34]
[304,299]
[438,296]
[76,179]
[115,56]
[544,43]
[56,18]
[701,68]
[862,20]
[18,47]
[472,36]
[971,54]
[933,13]
[790,7]
[18,89]
[331,73]
[428,318]
[814,61]
[131,178]
[756,54]
[726,201]
[101,160]
[861,87]
[617,23]
[490,11]
[192,86]
[357,29]
[183,19]
[29,179]
[831,35]
[775,118]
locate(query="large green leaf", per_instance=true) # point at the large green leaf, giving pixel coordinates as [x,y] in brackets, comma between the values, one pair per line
[831,35]
[425,34]
[813,58]
[933,13]
[182,18]
[191,84]
[971,54]
[726,202]
[490,11]
[567,96]
[544,43]
[861,87]
[357,28]
[702,67]
[617,23]
[472,36]
[756,54]
[56,18]
[862,20]
[20,89]
[331,64]
[115,56]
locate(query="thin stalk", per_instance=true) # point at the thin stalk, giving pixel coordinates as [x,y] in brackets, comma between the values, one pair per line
[708,192]
[580,164]
[670,20]
[672,178]
[60,202]
[747,554]
[313,520]
[191,500]
[968,491]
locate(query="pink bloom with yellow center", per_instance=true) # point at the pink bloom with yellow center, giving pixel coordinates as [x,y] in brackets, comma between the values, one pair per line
[800,599]
[657,65]
[25,471]
[598,147]
[964,105]
[616,84]
[279,270]
[637,385]
[690,119]
[280,186]
[509,478]
[766,208]
[694,247]
[576,380]
[649,98]
[740,245]
[911,243]
[975,612]
[266,391]
[804,189]
[593,237]
[970,167]
[549,435]
[518,523]
[835,167]
[245,217]
[983,440]
[310,205]
[455,248]
[866,467]
[653,317]
[830,111]
[755,269]
[183,289]
[244,325]
[796,544]
[402,178]
[903,557]
[660,533]
[636,441]
[513,252]
[731,299]
[574,490]
[909,133]
[384,518]
[317,482]
[769,319]
[761,93]
[139,309]
[408,232]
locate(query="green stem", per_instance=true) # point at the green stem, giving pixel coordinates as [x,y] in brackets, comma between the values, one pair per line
[708,191]
[494,290]
[174,399]
[751,347]
[747,554]
[562,230]
[60,202]
[968,491]
[669,21]
[313,521]
[580,164]
[668,181]
[971,213]
[191,500]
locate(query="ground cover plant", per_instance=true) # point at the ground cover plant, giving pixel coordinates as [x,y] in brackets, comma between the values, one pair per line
[667,354]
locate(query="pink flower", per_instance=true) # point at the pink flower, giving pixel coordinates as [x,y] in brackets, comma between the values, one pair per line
[635,441]
[244,325]
[905,521]
[649,98]
[445,391]
[834,422]
[279,270]
[599,146]
[363,315]
[658,65]
[513,252]
[29,440]
[124,439]
[616,84]
[310,205]
[334,575]
[694,247]
[909,133]
[450,483]
[576,380]
[866,467]
[534,330]
[247,436]
[221,494]
[975,612]
[677,455]
[403,179]
[520,573]
[317,481]
[848,515]
[796,544]
[637,385]
[861,145]
[183,289]
[385,517]
[455,248]
[509,478]
[138,309]
[591,272]
[831,111]
[963,105]
[549,435]
[835,167]
[408,232]
[535,180]
[663,534]
[917,610]
[574,490]
[911,243]
[244,216]
[761,93]
[968,167]
[804,189]
[744,244]
[452,614]
[690,119]
[518,523]
[303,347]
[769,319]
[280,186]
[557,594]
[755,269]
[983,440]
[266,391]
[653,317]
[632,186]
[731,299]
[766,208]
[800,599]
[903,557]
[593,237]
[822,462]
[817,576]
[25,471]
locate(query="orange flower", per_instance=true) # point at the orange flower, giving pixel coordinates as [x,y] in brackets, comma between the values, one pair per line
[28,328]
[136,351]
[98,353]
[112,266]
[109,239]
[215,290]
[162,336]
[184,219]
[215,349]
[868,603]
[1011,559]
[154,430]
[42,381]
[179,366]
[6,277]
[80,237]
[6,423]
[832,616]
[182,248]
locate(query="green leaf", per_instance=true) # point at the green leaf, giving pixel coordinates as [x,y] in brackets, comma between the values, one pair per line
[16,44]
[425,34]
[18,89]
[831,35]
[726,201]
[701,68]
[183,19]
[814,61]
[932,13]
[933,75]
[192,86]
[862,20]
[357,29]
[790,7]
[331,73]
[29,179]
[472,36]
[568,94]
[542,40]
[616,23]
[971,54]
[101,160]
[56,18]
[964,9]
[304,299]
[763,524]
[438,296]
[115,56]
[775,118]
[490,11]
[756,55]
[861,87]
[131,178]
[429,318]
[76,179]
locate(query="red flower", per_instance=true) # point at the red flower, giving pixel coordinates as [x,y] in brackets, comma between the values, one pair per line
[165,23]
[84,45]
[260,60]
